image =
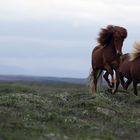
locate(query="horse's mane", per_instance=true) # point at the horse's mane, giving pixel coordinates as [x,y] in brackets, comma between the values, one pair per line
[136,51]
[106,34]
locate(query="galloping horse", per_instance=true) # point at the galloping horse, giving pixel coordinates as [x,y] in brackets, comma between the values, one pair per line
[106,56]
[130,68]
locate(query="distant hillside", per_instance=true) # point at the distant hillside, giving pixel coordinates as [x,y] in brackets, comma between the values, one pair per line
[42,79]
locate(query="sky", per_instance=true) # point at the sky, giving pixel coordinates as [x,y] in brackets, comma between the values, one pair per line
[56,37]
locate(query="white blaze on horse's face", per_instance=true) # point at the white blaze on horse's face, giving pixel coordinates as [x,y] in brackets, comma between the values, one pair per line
[118,42]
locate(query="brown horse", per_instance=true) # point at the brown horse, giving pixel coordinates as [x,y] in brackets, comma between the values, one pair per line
[130,68]
[106,56]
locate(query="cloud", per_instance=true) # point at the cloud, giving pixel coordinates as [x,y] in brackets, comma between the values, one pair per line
[56,37]
[71,10]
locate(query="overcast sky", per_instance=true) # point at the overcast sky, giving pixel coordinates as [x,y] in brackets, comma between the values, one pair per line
[56,37]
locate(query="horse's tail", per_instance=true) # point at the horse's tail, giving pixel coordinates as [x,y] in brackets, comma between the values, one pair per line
[91,80]
[136,51]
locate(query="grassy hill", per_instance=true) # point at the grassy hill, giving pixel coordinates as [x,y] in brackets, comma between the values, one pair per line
[40,111]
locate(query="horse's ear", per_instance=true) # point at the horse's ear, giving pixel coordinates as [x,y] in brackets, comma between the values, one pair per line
[110,27]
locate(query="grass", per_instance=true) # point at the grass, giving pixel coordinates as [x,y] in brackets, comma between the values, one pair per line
[38,111]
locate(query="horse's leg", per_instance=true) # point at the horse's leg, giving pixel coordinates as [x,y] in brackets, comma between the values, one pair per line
[109,71]
[117,82]
[135,88]
[122,79]
[99,74]
[107,80]
[124,84]
[112,77]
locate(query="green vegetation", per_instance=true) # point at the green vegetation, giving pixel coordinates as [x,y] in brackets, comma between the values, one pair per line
[38,111]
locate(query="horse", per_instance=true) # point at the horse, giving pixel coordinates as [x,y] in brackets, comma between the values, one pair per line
[130,68]
[106,55]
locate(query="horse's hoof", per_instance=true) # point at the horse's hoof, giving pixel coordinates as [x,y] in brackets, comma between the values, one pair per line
[113,91]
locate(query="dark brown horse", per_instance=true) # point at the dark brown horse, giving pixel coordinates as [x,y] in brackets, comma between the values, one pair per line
[130,68]
[106,56]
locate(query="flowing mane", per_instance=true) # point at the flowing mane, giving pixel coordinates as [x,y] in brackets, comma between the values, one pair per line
[106,34]
[136,51]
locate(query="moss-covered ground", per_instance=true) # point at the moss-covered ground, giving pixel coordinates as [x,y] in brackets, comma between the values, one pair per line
[39,111]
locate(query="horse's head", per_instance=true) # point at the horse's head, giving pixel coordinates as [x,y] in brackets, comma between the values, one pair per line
[113,36]
[119,34]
